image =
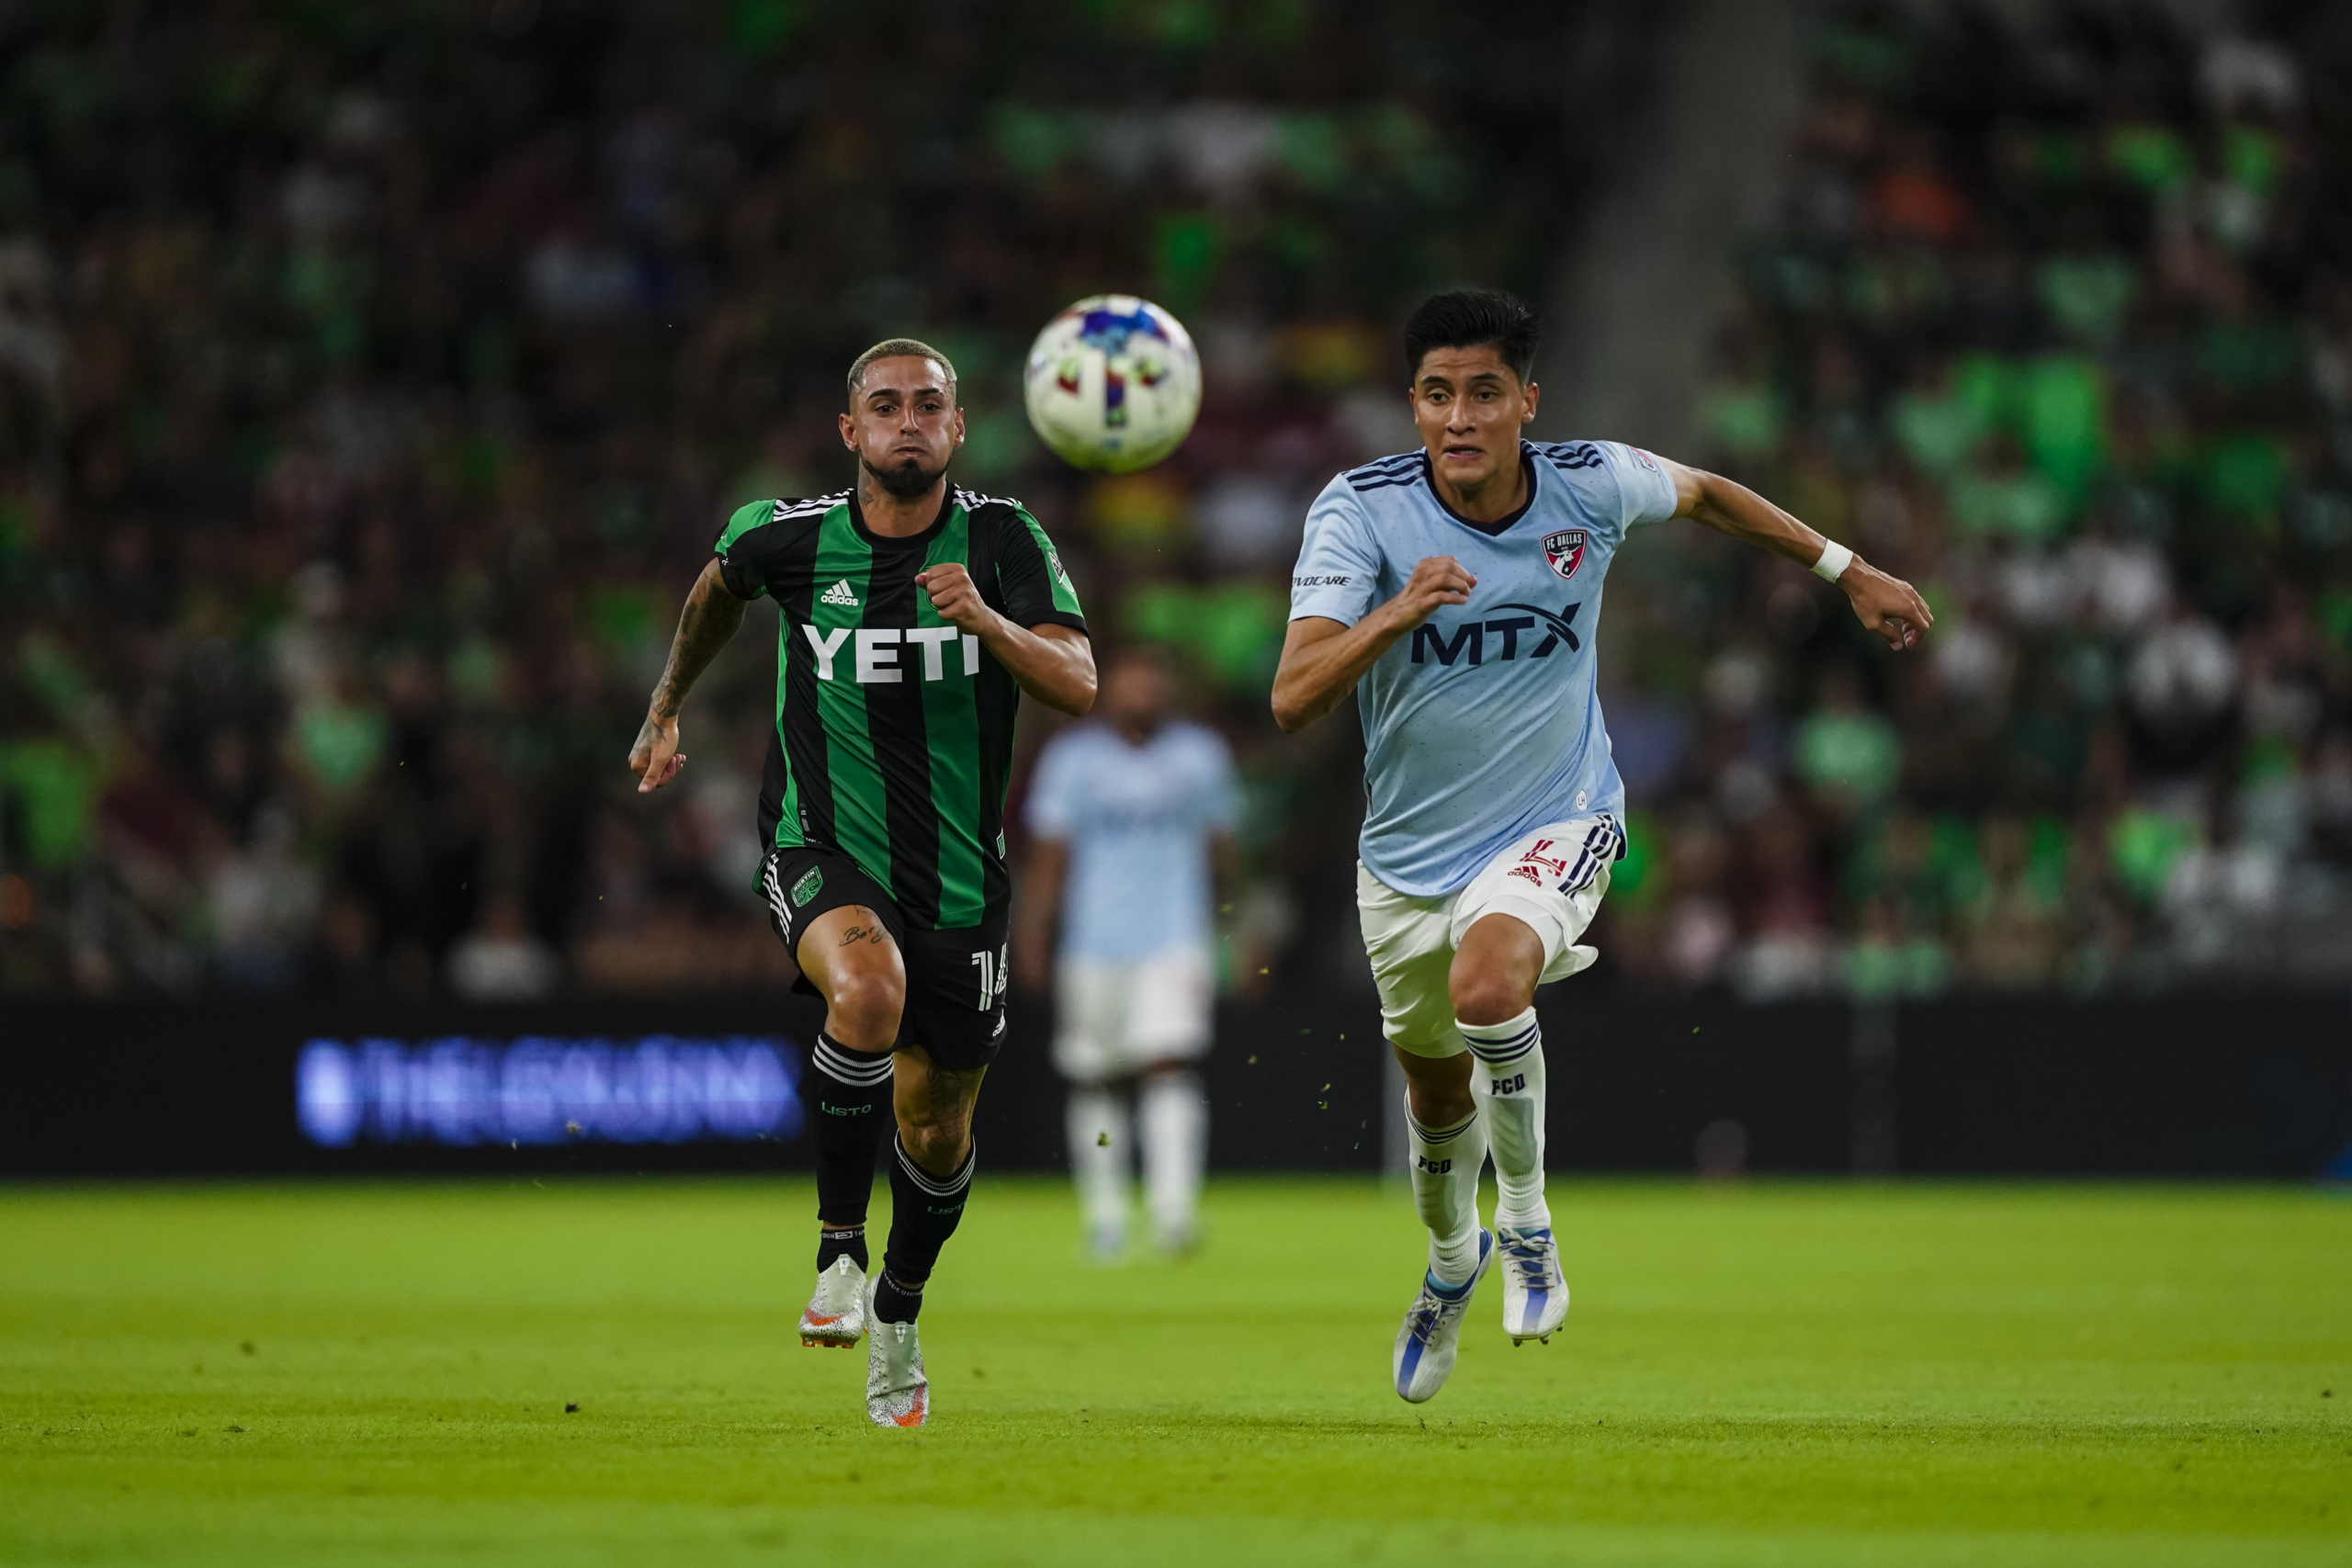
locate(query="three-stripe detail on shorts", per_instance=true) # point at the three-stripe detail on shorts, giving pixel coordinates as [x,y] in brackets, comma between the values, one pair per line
[1604,843]
[776,902]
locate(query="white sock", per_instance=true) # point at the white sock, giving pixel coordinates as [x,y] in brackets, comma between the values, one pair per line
[1174,1118]
[1098,1157]
[1510,1093]
[1446,1162]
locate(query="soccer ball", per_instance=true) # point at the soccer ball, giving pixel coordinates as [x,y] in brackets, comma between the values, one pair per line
[1113,384]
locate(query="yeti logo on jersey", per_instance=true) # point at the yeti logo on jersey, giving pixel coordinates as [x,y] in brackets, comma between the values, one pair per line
[1564,551]
[876,651]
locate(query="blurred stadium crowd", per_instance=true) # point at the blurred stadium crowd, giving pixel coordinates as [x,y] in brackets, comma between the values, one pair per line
[2057,324]
[373,379]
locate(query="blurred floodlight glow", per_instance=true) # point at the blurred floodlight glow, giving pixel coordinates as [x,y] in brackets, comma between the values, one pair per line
[539,1089]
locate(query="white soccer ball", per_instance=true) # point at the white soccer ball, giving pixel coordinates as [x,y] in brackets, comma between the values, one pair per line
[1113,384]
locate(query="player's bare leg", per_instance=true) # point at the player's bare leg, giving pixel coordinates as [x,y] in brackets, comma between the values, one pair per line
[848,955]
[1492,983]
[930,1175]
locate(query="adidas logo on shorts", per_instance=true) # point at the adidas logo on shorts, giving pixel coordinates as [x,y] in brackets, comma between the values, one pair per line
[839,593]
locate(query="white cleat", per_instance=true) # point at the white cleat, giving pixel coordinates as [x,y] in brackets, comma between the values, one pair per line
[897,1394]
[835,1314]
[1432,1330]
[1535,1297]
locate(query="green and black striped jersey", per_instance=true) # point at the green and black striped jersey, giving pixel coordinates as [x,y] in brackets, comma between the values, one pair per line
[894,730]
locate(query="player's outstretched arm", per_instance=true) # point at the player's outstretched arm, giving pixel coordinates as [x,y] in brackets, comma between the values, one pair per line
[711,617]
[1322,659]
[1053,663]
[1888,605]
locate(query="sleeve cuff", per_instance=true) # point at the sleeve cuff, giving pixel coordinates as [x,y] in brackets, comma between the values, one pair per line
[1059,618]
[736,583]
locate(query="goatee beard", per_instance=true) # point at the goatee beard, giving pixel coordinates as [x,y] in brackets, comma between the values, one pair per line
[906,481]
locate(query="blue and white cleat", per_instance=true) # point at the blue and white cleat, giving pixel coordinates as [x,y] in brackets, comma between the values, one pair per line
[1535,1297]
[1425,1345]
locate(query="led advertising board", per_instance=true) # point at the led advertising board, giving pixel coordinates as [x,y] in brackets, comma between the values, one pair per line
[538,1089]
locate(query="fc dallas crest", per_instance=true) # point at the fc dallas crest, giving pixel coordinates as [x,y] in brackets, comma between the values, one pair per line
[1564,551]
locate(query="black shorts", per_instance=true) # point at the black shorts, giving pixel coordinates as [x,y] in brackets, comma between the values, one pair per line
[955,979]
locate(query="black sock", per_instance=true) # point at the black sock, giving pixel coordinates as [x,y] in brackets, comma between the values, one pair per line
[894,1302]
[925,1212]
[844,1241]
[849,1096]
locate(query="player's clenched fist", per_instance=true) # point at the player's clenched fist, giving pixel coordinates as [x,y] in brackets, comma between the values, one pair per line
[1888,605]
[956,596]
[1436,580]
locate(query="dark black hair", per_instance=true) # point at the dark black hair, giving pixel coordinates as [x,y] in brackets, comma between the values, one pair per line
[1465,318]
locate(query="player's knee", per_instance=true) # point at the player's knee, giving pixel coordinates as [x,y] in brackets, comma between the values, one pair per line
[1483,995]
[863,1009]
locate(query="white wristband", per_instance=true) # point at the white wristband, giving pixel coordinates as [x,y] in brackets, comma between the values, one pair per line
[1834,558]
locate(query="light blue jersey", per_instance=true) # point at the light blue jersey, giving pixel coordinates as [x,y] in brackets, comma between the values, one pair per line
[1138,820]
[1485,724]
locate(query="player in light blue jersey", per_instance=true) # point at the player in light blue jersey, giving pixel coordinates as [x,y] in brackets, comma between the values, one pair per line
[1130,815]
[1456,590]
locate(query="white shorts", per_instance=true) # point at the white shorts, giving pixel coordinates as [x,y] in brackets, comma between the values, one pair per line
[1118,1018]
[1554,880]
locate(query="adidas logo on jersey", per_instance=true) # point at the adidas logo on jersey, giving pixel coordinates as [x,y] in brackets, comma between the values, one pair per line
[839,593]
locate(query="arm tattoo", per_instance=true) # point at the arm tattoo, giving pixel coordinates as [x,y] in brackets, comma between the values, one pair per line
[709,619]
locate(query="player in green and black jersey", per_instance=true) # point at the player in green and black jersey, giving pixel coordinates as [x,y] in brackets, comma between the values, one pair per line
[914,613]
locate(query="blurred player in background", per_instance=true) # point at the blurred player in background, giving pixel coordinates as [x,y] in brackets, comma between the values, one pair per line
[1132,822]
[1460,585]
[914,614]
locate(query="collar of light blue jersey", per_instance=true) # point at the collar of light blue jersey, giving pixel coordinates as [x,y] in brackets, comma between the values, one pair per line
[1501,525]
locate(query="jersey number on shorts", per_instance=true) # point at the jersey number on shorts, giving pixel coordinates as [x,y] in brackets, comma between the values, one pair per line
[994,972]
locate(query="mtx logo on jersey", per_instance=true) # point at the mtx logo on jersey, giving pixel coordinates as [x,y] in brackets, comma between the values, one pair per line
[1564,551]
[877,651]
[1470,636]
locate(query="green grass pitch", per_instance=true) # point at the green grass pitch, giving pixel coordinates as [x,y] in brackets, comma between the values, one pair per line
[1769,1374]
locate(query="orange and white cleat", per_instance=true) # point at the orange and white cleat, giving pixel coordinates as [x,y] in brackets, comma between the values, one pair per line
[897,1394]
[835,1314]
